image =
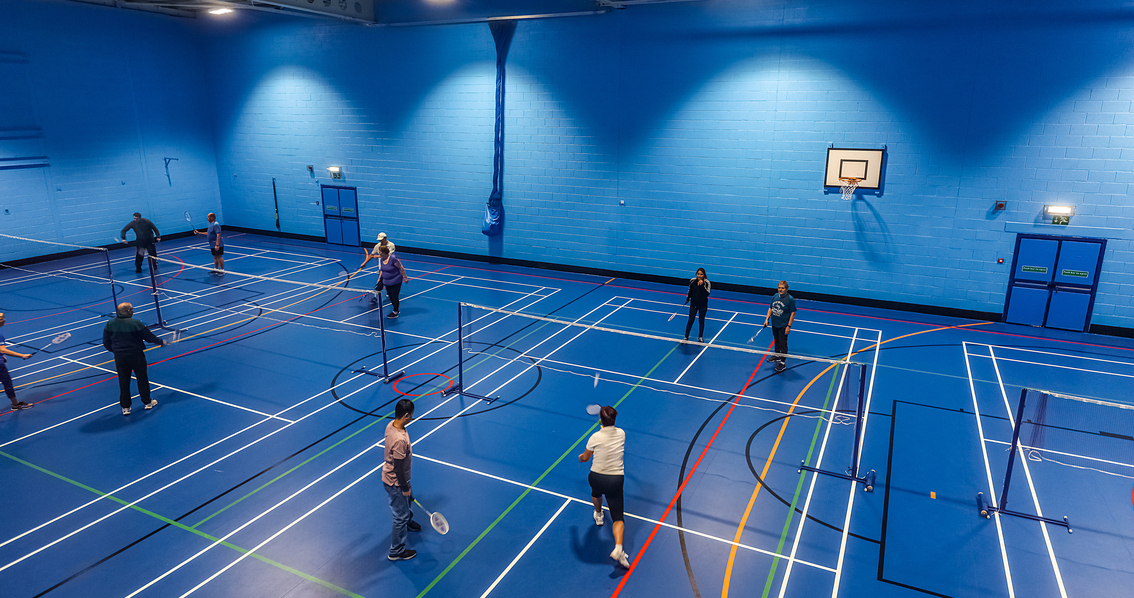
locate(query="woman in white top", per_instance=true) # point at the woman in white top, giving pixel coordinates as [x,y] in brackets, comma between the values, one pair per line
[607,476]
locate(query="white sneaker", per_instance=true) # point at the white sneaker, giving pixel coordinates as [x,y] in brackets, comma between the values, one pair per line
[620,556]
[598,517]
[151,404]
[125,411]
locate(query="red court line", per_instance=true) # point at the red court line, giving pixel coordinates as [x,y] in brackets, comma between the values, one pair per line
[689,476]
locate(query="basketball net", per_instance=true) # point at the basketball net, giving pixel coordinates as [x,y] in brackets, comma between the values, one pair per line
[849,185]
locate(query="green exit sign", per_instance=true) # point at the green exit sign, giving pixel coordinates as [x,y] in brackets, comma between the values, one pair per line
[1063,220]
[1075,273]
[1036,269]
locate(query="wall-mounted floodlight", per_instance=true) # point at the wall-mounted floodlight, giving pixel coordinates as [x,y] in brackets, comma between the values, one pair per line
[220,11]
[1059,214]
[336,172]
[1054,210]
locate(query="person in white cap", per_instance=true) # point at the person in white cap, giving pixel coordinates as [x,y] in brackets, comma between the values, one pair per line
[382,242]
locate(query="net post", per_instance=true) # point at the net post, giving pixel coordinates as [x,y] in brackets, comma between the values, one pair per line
[386,377]
[858,418]
[110,275]
[459,387]
[154,290]
[1012,450]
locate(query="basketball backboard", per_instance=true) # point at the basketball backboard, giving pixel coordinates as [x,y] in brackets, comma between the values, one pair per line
[865,164]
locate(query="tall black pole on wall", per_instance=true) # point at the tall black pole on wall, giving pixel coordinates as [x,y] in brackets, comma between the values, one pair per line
[493,226]
[276,199]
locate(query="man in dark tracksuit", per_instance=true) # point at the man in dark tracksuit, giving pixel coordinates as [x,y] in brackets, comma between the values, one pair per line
[126,338]
[146,234]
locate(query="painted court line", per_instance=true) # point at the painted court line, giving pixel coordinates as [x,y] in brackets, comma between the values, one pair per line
[988,475]
[522,552]
[1031,485]
[628,514]
[182,391]
[703,349]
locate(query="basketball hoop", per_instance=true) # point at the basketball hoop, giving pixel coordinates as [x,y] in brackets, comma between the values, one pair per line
[849,185]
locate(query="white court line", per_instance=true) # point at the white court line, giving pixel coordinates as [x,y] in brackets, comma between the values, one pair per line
[815,479]
[1031,485]
[182,391]
[753,324]
[1054,354]
[1068,455]
[1056,366]
[199,451]
[285,500]
[757,314]
[861,447]
[529,545]
[703,349]
[628,514]
[988,475]
[336,494]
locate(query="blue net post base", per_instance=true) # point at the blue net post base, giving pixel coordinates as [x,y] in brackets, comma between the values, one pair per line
[458,389]
[867,480]
[986,509]
[384,375]
[161,323]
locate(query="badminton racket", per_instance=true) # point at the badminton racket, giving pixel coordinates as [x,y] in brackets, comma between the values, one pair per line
[596,379]
[594,409]
[753,339]
[189,219]
[55,341]
[437,520]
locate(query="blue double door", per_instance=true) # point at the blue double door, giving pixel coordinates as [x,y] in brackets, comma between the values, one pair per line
[1053,281]
[340,215]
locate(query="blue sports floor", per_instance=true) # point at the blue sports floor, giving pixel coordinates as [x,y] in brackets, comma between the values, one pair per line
[258,474]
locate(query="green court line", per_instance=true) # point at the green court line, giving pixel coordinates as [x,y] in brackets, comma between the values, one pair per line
[538,480]
[324,451]
[264,559]
[799,489]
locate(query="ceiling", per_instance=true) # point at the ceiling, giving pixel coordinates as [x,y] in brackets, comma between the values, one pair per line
[391,13]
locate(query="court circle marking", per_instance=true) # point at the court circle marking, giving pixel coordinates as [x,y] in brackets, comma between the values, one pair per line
[406,394]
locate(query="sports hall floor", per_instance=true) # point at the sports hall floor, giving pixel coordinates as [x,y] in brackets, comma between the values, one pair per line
[258,473]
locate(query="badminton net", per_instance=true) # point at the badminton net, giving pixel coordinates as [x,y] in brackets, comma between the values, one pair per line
[1078,432]
[39,275]
[193,298]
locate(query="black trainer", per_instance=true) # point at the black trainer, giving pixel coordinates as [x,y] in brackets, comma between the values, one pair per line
[405,555]
[413,526]
[22,405]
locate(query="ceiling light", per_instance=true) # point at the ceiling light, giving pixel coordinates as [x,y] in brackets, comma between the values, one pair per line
[220,11]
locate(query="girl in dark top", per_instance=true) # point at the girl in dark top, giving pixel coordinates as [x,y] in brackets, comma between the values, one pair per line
[698,301]
[393,275]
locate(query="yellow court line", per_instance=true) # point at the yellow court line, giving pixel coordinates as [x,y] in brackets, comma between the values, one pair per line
[776,444]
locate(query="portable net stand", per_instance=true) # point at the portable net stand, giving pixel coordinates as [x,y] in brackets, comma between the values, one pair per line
[459,387]
[385,376]
[851,472]
[1062,428]
[850,184]
[156,294]
[81,277]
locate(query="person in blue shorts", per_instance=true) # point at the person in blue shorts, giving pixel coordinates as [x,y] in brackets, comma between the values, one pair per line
[781,314]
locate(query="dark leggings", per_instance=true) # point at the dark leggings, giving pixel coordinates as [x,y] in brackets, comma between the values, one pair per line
[125,364]
[392,291]
[694,310]
[6,380]
[611,487]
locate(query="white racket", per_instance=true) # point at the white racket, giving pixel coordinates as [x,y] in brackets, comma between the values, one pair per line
[55,341]
[594,409]
[437,520]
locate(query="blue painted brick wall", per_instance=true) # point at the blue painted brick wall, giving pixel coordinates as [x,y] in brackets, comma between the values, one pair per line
[107,94]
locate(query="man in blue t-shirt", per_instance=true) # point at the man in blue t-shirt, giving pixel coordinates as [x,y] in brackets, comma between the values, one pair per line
[5,378]
[781,314]
[216,244]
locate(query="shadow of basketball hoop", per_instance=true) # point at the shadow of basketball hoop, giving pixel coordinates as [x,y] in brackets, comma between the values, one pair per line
[871,233]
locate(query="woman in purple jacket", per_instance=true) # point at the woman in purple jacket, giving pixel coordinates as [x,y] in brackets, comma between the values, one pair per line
[393,275]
